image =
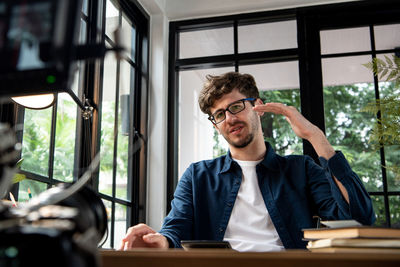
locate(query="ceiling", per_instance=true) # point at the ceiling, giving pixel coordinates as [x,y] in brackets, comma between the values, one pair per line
[185,9]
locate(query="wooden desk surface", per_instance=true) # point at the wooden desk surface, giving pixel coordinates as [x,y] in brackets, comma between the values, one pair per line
[228,258]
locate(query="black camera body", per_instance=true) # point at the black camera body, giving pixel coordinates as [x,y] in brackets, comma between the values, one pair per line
[63,235]
[39,246]
[60,227]
[38,41]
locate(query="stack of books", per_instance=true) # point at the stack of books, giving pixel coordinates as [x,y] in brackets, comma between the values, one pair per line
[353,238]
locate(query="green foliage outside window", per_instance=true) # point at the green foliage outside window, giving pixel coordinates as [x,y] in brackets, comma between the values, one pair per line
[36,141]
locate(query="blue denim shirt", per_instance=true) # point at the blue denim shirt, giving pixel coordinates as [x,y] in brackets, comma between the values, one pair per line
[294,189]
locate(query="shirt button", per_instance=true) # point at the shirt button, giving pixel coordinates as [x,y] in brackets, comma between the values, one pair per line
[229,204]
[220,229]
[237,182]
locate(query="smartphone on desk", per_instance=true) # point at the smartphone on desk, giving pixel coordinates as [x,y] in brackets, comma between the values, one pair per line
[194,244]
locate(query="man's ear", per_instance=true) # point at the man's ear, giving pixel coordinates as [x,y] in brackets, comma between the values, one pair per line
[259,102]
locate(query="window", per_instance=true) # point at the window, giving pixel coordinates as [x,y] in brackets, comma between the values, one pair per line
[124,93]
[349,86]
[58,144]
[311,58]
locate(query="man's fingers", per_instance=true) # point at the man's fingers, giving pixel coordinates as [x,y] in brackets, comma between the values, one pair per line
[156,239]
[277,108]
[138,230]
[122,245]
[133,237]
[128,245]
[151,238]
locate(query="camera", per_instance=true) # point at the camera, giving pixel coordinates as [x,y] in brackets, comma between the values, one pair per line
[61,226]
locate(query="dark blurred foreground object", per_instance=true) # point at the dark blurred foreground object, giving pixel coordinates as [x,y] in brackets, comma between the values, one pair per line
[38,41]
[60,227]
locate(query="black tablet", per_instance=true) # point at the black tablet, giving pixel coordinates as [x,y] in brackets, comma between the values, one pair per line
[193,244]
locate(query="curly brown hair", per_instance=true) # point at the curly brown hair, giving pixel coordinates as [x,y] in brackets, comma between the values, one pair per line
[218,86]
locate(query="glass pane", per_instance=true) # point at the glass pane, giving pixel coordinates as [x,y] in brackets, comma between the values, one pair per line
[392,152]
[145,55]
[394,203]
[278,82]
[345,40]
[388,89]
[65,138]
[206,43]
[120,224]
[128,36]
[347,127]
[392,157]
[112,19]
[346,70]
[379,208]
[123,131]
[195,141]
[107,204]
[36,141]
[274,76]
[82,32]
[77,82]
[35,187]
[267,36]
[387,36]
[107,125]
[85,7]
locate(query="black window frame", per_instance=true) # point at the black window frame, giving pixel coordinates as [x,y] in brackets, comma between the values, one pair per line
[138,112]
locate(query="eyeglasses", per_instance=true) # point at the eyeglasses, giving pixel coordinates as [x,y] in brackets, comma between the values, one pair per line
[233,108]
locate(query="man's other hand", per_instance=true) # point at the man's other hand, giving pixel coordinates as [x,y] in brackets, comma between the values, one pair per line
[142,236]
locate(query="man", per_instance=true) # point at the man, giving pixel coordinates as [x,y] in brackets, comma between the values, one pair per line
[252,197]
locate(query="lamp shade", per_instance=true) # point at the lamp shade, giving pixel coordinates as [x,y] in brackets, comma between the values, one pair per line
[35,101]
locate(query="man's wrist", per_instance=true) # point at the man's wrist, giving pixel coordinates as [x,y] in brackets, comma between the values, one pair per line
[169,241]
[321,145]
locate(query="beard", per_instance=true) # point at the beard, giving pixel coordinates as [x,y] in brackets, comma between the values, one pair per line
[241,143]
[245,140]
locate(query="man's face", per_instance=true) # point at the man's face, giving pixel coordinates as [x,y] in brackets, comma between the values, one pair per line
[239,129]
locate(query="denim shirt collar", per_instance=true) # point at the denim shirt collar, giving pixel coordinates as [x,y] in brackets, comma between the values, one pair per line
[270,160]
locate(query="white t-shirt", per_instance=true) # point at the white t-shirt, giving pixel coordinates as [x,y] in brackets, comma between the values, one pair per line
[250,227]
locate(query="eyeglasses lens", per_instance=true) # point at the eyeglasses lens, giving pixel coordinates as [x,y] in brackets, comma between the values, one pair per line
[232,108]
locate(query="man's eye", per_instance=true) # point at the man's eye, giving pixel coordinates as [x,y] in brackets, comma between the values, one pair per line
[219,115]
[236,107]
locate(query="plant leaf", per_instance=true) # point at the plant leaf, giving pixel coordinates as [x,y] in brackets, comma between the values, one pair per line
[18,177]
[388,61]
[383,73]
[19,163]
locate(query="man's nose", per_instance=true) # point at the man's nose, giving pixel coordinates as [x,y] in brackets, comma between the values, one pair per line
[229,116]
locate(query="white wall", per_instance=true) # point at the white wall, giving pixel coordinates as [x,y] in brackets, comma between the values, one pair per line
[157,142]
[195,132]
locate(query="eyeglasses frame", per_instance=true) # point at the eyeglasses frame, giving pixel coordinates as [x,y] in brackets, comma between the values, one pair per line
[212,119]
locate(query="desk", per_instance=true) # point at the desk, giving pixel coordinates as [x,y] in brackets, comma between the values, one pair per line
[228,258]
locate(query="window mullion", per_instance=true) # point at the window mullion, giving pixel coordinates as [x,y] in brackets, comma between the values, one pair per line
[236,44]
[53,138]
[382,149]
